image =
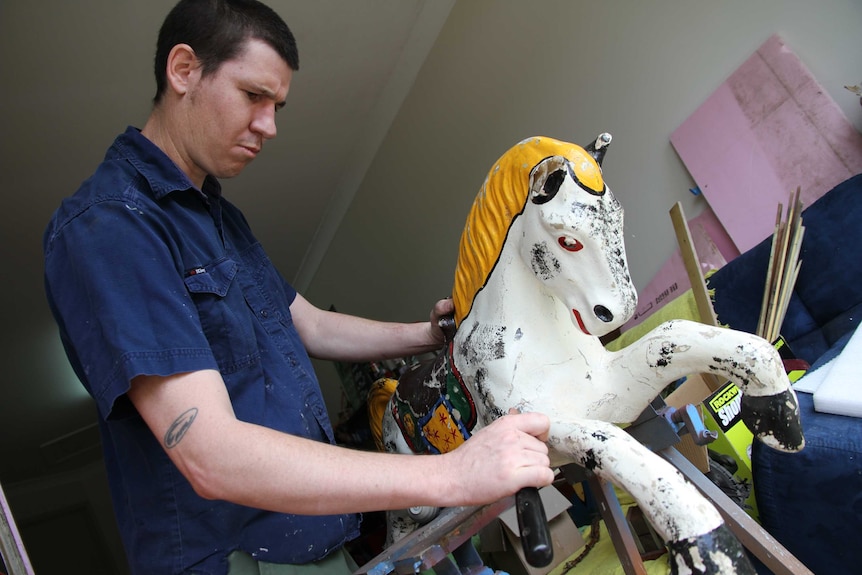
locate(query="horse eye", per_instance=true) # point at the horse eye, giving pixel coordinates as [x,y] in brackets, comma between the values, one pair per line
[570,244]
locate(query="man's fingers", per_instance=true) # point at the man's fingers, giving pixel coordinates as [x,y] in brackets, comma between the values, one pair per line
[443,307]
[536,424]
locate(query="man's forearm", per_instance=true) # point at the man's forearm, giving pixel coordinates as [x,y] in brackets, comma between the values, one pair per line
[341,337]
[262,468]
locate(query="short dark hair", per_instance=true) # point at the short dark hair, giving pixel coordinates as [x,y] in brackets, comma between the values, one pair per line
[217,30]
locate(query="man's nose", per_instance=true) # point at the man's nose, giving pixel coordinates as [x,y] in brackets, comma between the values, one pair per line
[263,123]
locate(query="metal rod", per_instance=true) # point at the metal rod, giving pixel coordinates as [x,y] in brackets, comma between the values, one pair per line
[428,545]
[621,535]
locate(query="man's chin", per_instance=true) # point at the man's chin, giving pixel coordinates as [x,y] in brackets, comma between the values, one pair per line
[228,172]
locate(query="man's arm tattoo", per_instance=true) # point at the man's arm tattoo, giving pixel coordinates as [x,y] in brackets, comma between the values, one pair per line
[179,427]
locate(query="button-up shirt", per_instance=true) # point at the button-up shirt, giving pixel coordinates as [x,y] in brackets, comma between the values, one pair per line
[146,274]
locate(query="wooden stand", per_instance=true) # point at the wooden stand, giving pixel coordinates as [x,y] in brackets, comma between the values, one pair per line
[654,429]
[752,536]
[430,544]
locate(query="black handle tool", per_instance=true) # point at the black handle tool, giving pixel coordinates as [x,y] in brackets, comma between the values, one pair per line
[533,526]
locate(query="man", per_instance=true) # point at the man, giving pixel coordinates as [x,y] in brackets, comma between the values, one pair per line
[218,447]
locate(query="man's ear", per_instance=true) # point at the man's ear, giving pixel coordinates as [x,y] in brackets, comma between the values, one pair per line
[183,68]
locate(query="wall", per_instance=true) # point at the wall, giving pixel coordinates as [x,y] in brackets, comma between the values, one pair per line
[502,70]
[67,523]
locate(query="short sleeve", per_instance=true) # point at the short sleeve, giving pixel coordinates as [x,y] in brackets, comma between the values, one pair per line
[114,280]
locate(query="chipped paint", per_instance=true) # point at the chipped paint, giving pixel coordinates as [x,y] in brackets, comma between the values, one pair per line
[524,341]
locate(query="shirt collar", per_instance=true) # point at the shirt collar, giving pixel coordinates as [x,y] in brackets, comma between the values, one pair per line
[162,174]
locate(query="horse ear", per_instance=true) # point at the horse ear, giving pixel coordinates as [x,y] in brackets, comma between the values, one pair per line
[546,179]
[598,147]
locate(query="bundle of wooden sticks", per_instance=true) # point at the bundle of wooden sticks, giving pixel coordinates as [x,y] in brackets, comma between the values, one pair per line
[783,269]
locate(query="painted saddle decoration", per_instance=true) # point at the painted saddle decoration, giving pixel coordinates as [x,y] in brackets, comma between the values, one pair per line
[541,275]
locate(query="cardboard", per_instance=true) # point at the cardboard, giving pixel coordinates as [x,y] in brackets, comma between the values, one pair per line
[501,543]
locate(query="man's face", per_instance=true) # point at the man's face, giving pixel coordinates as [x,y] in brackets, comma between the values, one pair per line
[230,113]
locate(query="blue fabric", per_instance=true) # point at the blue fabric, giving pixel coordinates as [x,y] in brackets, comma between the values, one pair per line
[810,501]
[827,300]
[146,274]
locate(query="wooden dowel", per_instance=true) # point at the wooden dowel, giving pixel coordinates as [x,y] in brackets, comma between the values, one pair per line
[783,269]
[761,322]
[777,278]
[695,277]
[788,284]
[692,265]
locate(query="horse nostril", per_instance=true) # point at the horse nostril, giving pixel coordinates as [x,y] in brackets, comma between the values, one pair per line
[603,313]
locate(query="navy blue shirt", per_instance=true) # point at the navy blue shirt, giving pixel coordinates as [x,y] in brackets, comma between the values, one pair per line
[146,274]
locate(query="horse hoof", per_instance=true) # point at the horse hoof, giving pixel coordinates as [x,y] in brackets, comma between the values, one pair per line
[715,553]
[774,420]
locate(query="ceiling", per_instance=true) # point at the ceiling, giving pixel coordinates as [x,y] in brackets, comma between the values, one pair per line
[75,74]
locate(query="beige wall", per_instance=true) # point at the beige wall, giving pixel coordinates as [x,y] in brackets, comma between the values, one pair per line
[502,70]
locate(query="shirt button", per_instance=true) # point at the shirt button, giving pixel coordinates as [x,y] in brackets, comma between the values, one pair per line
[264,313]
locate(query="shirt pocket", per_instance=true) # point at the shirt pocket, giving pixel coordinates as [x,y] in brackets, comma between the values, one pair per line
[225,317]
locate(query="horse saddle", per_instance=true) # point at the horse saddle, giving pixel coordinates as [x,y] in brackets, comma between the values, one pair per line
[433,407]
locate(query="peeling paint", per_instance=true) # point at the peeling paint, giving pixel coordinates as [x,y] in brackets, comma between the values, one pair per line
[520,345]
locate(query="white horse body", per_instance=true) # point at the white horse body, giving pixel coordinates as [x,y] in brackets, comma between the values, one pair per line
[530,341]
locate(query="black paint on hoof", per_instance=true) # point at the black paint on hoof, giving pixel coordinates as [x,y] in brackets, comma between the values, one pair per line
[775,416]
[715,553]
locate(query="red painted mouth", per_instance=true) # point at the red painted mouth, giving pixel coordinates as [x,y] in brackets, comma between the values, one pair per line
[580,322]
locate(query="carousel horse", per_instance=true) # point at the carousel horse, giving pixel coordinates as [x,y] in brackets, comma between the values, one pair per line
[541,276]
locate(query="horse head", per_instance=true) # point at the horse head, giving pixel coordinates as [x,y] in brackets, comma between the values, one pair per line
[550,197]
[573,241]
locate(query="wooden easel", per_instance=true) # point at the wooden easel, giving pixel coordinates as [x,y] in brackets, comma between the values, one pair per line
[11,547]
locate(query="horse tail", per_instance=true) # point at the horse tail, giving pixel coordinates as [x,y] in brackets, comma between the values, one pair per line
[378,400]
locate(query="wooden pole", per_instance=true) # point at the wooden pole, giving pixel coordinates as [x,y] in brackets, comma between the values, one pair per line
[783,269]
[761,322]
[692,266]
[695,277]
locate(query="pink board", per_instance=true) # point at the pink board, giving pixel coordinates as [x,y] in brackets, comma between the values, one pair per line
[714,249]
[768,129]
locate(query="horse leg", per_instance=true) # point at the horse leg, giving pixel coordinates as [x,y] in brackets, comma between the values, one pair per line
[679,348]
[698,540]
[399,524]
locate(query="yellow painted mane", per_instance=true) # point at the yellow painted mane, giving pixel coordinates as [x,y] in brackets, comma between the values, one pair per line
[501,199]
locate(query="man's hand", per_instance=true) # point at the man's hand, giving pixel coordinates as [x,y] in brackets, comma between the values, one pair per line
[442,322]
[503,457]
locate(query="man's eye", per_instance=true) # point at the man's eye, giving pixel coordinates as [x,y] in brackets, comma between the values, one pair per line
[252,96]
